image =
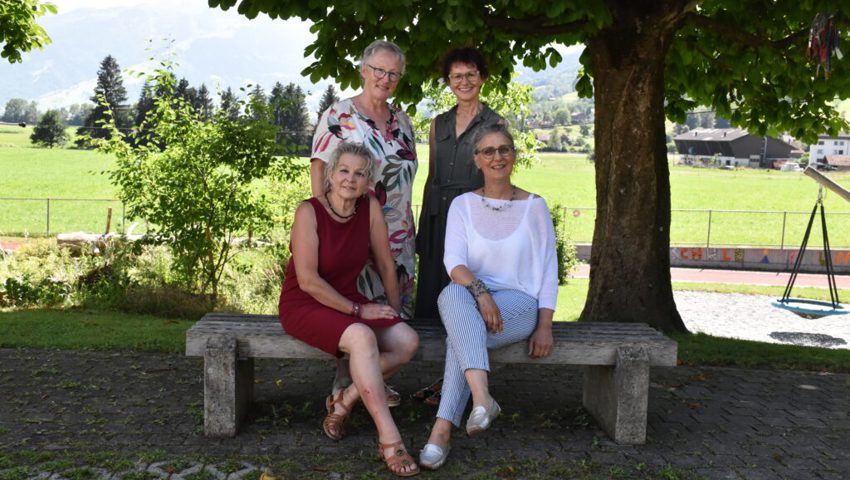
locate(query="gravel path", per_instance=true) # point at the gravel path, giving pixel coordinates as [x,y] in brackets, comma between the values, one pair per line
[752,317]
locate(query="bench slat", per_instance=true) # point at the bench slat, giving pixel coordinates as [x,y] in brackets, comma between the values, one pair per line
[586,343]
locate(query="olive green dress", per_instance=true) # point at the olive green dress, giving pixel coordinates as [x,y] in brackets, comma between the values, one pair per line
[455,173]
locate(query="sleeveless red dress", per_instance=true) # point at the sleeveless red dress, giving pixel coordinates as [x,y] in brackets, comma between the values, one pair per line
[343,252]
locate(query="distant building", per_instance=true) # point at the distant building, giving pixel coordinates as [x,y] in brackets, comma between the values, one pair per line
[837,162]
[733,147]
[828,146]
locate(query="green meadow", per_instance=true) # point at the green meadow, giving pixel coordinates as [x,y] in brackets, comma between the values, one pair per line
[734,198]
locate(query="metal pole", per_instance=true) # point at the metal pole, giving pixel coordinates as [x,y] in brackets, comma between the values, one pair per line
[782,242]
[708,237]
[48,216]
[828,183]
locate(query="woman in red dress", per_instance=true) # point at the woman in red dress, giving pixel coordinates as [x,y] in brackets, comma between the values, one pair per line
[332,238]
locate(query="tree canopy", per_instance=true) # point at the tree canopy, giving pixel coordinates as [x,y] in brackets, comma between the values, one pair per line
[19,31]
[747,59]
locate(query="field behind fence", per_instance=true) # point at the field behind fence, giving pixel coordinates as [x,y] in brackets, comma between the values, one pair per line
[710,207]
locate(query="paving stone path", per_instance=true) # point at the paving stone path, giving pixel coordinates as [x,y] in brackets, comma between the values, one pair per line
[69,415]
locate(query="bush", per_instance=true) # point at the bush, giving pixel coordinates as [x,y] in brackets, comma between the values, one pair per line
[564,247]
[39,274]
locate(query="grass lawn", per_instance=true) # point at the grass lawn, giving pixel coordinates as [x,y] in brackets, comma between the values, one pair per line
[565,179]
[115,331]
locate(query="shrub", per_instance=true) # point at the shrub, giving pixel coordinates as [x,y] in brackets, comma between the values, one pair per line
[564,247]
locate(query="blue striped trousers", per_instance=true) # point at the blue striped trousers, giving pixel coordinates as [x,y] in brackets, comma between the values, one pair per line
[467,339]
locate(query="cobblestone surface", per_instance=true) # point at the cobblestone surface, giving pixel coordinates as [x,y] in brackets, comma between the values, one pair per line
[139,416]
[88,415]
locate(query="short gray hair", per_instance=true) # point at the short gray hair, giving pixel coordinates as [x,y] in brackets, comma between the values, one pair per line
[351,148]
[382,45]
[490,129]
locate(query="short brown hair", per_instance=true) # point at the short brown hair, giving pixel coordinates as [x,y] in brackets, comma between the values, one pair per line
[466,55]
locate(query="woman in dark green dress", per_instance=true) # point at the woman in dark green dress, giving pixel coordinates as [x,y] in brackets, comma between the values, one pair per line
[452,170]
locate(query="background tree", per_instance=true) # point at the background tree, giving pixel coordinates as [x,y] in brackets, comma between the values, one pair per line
[187,92]
[78,112]
[19,31]
[642,59]
[197,191]
[257,98]
[328,98]
[288,106]
[32,115]
[229,104]
[204,104]
[50,131]
[15,111]
[146,103]
[555,143]
[110,99]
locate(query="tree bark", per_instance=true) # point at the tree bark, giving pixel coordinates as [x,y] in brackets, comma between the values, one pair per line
[630,259]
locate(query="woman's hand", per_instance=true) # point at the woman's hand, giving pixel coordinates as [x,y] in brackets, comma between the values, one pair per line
[376,311]
[490,313]
[540,342]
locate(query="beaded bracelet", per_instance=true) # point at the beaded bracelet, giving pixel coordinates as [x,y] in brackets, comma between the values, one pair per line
[355,309]
[476,288]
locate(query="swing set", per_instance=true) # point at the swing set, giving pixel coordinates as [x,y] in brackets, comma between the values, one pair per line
[806,308]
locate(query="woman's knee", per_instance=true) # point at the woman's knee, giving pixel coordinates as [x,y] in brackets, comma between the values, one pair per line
[359,336]
[404,340]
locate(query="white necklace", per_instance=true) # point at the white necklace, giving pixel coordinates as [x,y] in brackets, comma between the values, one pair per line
[498,208]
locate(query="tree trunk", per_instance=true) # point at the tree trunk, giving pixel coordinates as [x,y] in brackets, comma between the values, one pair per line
[630,259]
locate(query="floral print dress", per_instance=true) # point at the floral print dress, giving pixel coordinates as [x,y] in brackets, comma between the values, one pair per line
[394,147]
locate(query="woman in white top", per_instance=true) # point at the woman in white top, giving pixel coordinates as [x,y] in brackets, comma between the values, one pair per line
[500,255]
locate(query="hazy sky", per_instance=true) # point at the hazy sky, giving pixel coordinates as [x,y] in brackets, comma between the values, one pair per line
[218,48]
[212,46]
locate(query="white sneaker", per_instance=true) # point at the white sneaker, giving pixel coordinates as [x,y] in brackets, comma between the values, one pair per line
[433,457]
[482,417]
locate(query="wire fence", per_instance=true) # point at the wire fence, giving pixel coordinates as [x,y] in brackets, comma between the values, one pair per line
[49,216]
[689,227]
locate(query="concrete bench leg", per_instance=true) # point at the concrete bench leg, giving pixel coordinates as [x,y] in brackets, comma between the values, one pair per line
[617,396]
[228,387]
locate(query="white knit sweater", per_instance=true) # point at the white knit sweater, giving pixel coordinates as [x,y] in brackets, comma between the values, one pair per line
[509,249]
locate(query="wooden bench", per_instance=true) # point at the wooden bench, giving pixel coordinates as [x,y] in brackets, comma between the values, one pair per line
[616,359]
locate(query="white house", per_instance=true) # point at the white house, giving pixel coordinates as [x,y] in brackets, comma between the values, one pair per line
[827,145]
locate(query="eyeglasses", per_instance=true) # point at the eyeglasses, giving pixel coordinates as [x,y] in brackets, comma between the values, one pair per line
[469,76]
[380,73]
[490,152]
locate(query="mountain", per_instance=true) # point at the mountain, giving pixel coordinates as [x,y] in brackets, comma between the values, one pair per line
[218,48]
[214,47]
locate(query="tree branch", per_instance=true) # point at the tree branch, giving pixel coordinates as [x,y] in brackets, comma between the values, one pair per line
[729,32]
[532,26]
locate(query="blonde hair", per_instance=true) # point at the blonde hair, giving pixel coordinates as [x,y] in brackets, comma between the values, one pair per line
[351,148]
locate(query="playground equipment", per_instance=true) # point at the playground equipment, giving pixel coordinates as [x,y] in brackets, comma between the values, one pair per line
[815,308]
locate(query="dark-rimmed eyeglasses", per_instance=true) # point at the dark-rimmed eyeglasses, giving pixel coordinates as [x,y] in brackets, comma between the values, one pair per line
[468,76]
[380,73]
[490,152]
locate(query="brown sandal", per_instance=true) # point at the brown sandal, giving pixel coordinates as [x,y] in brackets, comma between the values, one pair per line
[334,423]
[399,460]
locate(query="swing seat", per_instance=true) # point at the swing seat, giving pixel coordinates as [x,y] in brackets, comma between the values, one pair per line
[811,309]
